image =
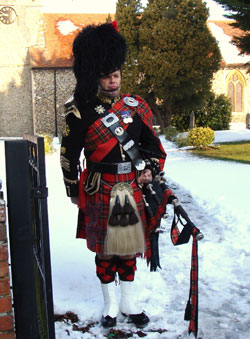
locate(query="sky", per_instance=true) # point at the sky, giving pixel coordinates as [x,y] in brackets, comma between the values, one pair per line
[109,6]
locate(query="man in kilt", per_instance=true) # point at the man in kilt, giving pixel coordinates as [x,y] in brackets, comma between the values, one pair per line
[112,129]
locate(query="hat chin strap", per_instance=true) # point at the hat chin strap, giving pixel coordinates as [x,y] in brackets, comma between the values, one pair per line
[109,92]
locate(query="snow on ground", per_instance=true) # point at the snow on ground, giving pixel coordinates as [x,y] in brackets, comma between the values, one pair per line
[215,195]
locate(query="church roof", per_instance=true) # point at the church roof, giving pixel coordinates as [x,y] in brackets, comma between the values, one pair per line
[54,48]
[224,32]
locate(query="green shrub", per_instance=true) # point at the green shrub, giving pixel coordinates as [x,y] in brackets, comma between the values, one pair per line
[181,141]
[216,113]
[181,121]
[200,137]
[170,133]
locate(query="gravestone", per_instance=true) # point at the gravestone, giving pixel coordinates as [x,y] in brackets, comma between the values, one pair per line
[192,120]
[248,121]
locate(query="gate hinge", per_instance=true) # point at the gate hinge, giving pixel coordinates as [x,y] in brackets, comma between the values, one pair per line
[40,192]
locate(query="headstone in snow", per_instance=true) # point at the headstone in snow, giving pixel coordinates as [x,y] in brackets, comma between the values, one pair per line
[248,121]
[192,120]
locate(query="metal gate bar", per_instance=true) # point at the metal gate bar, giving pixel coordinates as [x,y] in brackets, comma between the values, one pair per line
[29,238]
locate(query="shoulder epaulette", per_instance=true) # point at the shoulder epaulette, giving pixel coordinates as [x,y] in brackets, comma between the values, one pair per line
[70,107]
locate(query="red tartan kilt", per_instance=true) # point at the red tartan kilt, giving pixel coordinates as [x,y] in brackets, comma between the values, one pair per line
[92,220]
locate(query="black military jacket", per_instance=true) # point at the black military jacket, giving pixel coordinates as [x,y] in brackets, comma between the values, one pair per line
[77,122]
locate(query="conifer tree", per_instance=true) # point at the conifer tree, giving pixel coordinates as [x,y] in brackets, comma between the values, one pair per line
[240,12]
[128,13]
[178,56]
[109,19]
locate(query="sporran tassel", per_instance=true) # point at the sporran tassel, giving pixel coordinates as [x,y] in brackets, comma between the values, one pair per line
[127,208]
[133,219]
[114,220]
[116,210]
[124,221]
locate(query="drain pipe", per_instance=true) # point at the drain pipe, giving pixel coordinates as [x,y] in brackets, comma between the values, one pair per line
[55,108]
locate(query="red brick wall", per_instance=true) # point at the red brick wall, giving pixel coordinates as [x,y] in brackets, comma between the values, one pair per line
[6,315]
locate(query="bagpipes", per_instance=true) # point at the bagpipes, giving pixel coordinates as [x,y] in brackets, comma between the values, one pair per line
[156,196]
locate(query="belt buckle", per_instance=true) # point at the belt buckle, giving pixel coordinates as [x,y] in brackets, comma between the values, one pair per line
[124,167]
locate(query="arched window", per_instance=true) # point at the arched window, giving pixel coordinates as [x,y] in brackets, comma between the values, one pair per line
[235,91]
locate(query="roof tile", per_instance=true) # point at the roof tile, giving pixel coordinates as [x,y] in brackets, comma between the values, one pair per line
[59,32]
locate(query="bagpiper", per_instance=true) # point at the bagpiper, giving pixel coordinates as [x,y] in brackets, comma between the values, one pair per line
[111,129]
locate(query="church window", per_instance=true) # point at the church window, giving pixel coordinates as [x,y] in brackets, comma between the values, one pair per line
[235,90]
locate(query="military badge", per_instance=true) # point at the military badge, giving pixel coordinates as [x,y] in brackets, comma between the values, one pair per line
[63,150]
[132,102]
[100,109]
[66,130]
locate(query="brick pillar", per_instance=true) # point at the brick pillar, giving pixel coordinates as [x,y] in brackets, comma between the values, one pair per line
[6,314]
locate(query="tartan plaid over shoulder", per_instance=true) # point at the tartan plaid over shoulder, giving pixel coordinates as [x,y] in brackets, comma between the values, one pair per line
[98,135]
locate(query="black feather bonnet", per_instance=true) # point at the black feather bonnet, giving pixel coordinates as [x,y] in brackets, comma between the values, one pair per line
[98,50]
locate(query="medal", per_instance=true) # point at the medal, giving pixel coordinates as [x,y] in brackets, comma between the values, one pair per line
[132,102]
[126,117]
[127,120]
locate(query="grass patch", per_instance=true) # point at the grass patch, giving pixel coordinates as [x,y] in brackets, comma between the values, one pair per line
[234,151]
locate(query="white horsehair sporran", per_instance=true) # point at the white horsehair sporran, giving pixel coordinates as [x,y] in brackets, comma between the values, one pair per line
[125,234]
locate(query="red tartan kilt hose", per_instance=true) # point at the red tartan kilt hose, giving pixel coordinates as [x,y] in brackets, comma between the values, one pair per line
[93,216]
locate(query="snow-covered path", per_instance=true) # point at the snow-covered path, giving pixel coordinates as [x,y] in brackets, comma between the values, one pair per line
[220,191]
[215,195]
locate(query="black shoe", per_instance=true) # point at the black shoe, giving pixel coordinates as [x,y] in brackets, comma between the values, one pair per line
[139,320]
[108,321]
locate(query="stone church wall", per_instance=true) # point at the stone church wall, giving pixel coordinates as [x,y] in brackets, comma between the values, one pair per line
[15,76]
[51,88]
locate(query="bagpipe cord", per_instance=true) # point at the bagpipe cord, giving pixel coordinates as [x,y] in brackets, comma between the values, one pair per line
[179,238]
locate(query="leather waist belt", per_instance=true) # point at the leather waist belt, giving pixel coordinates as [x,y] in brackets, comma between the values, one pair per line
[114,168]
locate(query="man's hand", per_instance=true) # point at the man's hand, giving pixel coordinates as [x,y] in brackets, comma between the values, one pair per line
[145,177]
[74,200]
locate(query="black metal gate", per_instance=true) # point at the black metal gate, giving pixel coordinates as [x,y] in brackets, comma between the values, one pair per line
[29,238]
